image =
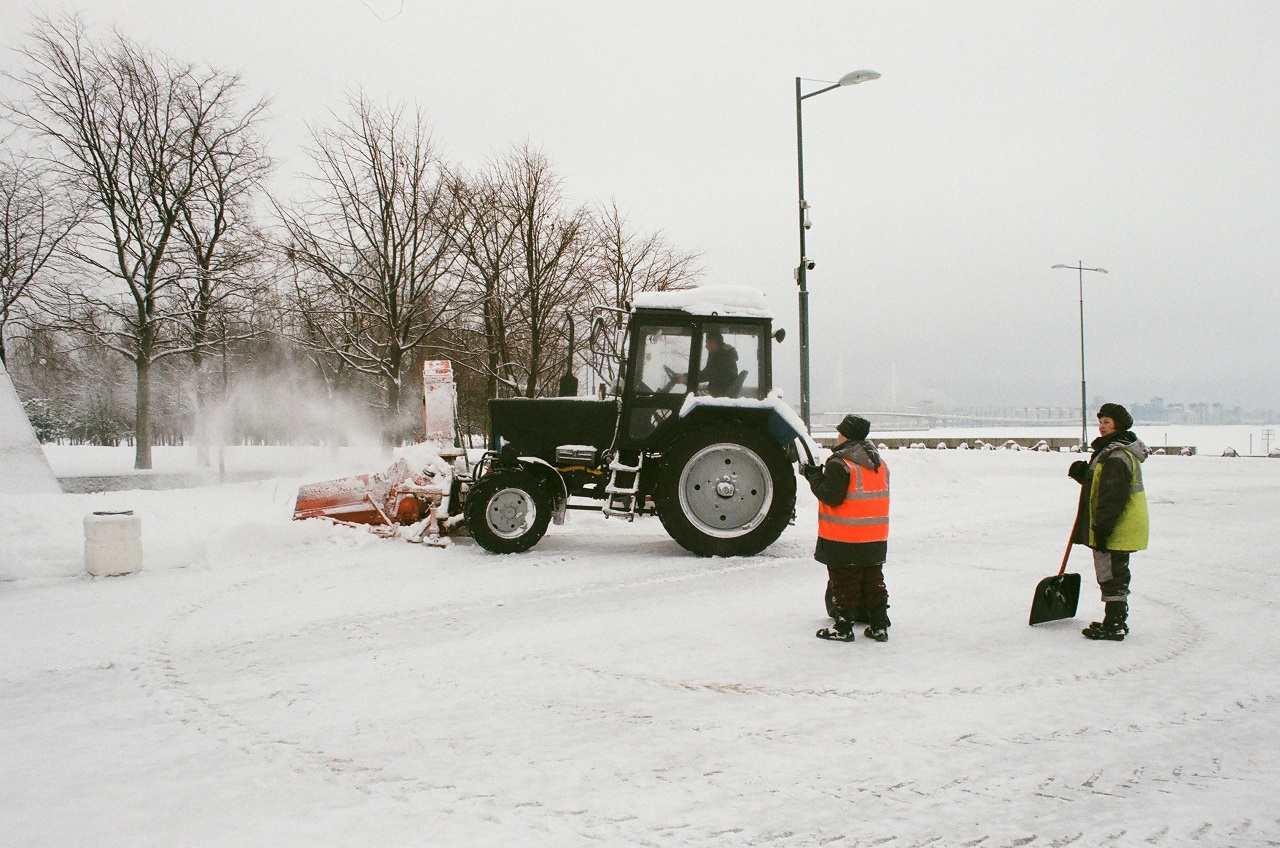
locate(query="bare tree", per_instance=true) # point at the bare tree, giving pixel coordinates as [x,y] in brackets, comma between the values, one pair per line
[373,244]
[532,262]
[130,131]
[625,262]
[548,279]
[486,242]
[33,224]
[223,247]
[311,316]
[223,257]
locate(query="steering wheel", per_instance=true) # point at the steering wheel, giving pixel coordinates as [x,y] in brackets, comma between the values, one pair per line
[673,377]
[658,416]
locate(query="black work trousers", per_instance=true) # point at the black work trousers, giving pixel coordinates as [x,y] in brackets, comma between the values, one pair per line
[857,589]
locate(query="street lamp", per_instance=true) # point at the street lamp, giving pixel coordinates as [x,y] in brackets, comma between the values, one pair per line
[806,265]
[1080,268]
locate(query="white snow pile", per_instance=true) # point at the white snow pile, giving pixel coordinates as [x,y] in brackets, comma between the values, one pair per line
[424,457]
[727,301]
[271,682]
[23,466]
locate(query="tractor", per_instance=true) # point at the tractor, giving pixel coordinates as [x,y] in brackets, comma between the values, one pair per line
[692,431]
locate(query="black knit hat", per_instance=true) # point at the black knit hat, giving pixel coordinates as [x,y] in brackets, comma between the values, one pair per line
[1118,414]
[854,427]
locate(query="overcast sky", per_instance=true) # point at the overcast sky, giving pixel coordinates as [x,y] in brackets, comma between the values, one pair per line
[1002,138]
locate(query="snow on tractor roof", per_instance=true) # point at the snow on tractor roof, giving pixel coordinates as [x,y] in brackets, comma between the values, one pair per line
[737,301]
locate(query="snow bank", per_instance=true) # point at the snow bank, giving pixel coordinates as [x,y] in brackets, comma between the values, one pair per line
[23,466]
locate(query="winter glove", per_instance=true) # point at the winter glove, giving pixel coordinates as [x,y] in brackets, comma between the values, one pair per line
[1101,533]
[1078,470]
[811,472]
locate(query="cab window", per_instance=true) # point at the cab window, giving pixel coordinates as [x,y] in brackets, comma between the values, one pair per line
[729,363]
[663,361]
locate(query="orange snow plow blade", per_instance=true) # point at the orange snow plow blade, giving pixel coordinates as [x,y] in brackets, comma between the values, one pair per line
[414,490]
[390,497]
[395,498]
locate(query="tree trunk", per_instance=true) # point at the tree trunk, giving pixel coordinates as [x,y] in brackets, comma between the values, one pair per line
[142,416]
[535,361]
[389,433]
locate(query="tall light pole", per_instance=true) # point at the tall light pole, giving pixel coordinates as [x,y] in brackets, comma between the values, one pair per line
[1080,268]
[802,271]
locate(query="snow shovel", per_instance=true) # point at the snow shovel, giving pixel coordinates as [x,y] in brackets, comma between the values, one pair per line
[1057,596]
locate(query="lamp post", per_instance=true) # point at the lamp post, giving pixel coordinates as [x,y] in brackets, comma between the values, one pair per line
[1080,268]
[802,271]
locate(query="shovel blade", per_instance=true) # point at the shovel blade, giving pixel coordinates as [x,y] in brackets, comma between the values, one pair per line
[1056,597]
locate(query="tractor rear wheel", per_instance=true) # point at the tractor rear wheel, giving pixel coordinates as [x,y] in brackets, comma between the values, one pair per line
[508,511]
[726,490]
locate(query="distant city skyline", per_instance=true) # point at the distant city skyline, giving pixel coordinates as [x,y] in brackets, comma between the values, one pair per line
[844,387]
[1154,411]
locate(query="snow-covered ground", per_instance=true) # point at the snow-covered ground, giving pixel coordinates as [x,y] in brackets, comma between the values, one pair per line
[270,683]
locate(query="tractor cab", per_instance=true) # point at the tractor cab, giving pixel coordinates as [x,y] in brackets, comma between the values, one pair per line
[674,353]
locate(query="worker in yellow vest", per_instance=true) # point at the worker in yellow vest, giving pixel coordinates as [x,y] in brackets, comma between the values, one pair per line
[1112,514]
[852,488]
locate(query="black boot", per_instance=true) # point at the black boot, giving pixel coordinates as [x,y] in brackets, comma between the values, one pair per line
[842,631]
[879,627]
[1114,625]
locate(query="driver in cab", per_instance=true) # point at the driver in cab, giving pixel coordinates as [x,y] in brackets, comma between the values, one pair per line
[719,369]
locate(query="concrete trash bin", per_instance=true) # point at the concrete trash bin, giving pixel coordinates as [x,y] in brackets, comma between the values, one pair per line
[112,543]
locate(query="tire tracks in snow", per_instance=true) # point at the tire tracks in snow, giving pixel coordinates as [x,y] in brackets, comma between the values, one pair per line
[162,674]
[1181,646]
[159,672]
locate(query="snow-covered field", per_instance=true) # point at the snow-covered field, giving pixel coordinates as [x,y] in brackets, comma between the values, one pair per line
[269,683]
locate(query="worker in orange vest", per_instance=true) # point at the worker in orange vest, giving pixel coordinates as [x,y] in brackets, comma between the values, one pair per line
[852,488]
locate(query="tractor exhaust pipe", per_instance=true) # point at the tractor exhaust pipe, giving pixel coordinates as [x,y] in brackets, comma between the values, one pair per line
[569,383]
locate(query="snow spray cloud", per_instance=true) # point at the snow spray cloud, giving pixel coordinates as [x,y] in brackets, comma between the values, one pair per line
[286,407]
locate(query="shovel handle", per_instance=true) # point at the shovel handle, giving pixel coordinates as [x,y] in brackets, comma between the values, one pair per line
[1067,555]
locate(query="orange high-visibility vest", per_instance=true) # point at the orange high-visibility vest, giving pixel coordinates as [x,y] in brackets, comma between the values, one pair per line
[864,515]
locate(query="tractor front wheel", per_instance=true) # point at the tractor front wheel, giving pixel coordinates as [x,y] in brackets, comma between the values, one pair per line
[508,511]
[726,490]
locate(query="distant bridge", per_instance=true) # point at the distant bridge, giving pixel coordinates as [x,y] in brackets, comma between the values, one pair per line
[925,420]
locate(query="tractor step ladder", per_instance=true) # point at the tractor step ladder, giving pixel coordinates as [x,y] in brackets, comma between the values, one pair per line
[623,487]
